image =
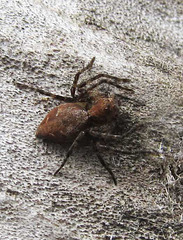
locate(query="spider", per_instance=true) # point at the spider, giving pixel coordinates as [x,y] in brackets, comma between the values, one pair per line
[80,113]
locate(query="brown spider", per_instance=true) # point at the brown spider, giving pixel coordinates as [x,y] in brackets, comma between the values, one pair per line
[70,121]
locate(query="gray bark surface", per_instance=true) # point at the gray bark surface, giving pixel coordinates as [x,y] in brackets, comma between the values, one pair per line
[43,44]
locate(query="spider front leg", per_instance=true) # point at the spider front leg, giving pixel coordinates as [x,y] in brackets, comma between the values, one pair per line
[109,136]
[76,78]
[100,75]
[132,152]
[84,92]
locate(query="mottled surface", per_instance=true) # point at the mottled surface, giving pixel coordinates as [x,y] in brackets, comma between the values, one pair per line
[44,43]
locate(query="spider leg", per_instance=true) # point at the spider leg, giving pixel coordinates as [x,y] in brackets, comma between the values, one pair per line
[118,150]
[131,100]
[69,152]
[104,164]
[120,138]
[83,84]
[105,135]
[76,78]
[39,90]
[109,136]
[104,81]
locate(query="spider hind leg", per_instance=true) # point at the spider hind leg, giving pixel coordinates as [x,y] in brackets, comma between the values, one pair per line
[69,152]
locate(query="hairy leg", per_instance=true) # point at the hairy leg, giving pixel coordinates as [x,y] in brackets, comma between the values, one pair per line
[76,78]
[84,92]
[118,150]
[83,84]
[35,89]
[69,152]
[104,164]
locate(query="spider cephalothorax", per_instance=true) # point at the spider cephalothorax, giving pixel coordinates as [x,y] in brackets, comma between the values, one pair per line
[103,110]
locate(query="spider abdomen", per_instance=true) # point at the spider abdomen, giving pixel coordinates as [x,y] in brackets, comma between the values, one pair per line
[63,123]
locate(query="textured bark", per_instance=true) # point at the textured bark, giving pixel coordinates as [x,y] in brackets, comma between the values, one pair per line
[43,45]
